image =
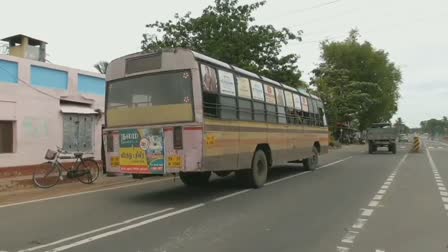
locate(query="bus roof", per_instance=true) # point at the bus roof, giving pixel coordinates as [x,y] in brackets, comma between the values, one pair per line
[205,58]
[211,60]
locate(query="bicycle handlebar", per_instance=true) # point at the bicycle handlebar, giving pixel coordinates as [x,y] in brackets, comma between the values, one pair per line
[60,150]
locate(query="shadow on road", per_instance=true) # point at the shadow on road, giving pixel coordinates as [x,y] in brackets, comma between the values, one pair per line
[178,194]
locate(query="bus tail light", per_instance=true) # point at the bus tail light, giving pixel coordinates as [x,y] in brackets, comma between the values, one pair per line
[177,138]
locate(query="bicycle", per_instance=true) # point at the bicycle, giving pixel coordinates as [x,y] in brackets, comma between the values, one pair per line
[48,174]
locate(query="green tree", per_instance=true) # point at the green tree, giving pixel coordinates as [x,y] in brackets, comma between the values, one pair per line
[225,31]
[101,66]
[435,127]
[403,128]
[369,90]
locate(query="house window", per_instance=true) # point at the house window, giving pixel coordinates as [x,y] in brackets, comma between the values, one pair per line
[6,137]
[78,132]
[9,72]
[49,78]
[91,85]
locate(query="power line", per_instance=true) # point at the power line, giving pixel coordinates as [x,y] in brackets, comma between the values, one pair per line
[317,6]
[28,84]
[388,28]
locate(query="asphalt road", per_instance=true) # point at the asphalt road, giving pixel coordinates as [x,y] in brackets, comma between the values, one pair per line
[354,202]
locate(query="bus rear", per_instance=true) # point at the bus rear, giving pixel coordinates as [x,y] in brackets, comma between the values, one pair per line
[151,124]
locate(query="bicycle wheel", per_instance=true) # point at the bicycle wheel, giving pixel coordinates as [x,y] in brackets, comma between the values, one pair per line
[46,175]
[90,170]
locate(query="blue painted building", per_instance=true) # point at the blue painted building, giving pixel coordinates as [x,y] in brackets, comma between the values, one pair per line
[44,105]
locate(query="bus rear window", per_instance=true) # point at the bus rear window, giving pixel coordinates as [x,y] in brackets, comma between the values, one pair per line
[150,99]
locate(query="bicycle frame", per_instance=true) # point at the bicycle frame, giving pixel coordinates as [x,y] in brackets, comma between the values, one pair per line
[58,157]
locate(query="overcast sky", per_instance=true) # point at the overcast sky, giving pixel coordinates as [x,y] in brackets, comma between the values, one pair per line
[80,33]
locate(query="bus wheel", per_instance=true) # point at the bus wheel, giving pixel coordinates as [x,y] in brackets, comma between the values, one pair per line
[223,173]
[194,178]
[259,171]
[311,163]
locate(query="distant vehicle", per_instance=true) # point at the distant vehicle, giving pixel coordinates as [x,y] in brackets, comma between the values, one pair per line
[180,112]
[403,138]
[382,135]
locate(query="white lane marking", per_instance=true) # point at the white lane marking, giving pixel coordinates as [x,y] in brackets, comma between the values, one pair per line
[349,237]
[303,173]
[387,183]
[379,250]
[443,143]
[359,224]
[366,212]
[442,188]
[125,228]
[378,197]
[342,249]
[145,183]
[286,178]
[333,163]
[439,181]
[373,203]
[430,147]
[96,230]
[82,193]
[232,195]
[385,187]
[381,191]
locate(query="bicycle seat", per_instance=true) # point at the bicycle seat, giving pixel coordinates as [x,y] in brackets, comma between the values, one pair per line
[78,154]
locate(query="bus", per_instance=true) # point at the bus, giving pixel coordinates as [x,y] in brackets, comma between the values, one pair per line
[176,111]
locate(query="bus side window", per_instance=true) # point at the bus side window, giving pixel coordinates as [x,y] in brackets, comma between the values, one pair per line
[271,113]
[228,107]
[210,91]
[259,112]
[245,109]
[210,104]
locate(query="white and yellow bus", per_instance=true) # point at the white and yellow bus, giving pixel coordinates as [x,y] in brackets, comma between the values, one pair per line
[177,111]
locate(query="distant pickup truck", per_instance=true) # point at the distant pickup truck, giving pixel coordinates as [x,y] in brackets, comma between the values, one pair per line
[382,135]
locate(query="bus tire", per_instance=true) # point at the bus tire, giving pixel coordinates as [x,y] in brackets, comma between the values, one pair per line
[394,148]
[311,163]
[195,178]
[259,172]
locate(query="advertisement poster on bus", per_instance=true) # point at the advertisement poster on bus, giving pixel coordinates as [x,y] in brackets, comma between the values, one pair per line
[209,79]
[243,87]
[141,151]
[270,94]
[280,97]
[304,103]
[289,100]
[257,90]
[226,83]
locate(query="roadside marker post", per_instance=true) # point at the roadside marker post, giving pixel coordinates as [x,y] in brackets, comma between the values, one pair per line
[416,145]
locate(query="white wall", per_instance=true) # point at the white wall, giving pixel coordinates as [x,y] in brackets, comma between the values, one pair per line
[37,114]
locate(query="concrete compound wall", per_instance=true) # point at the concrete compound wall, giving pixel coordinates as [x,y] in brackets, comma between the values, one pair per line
[35,110]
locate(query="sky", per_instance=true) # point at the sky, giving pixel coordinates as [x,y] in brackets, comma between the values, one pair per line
[82,32]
